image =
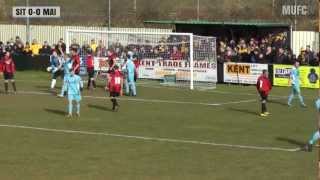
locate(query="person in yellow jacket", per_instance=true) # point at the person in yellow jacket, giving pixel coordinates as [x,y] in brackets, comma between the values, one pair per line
[35,47]
[93,45]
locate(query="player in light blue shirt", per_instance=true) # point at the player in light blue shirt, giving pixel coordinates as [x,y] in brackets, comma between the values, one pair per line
[73,85]
[130,71]
[295,85]
[67,66]
[316,135]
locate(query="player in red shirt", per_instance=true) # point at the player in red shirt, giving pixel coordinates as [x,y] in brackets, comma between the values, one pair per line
[115,86]
[111,59]
[264,87]
[90,70]
[8,68]
[75,61]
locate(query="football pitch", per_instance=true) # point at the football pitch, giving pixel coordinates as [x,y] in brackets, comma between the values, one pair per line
[163,133]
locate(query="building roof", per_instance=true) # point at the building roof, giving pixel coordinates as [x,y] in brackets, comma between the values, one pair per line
[221,23]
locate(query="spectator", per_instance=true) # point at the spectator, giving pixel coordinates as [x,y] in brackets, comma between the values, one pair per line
[184,47]
[302,57]
[117,47]
[18,49]
[269,55]
[93,45]
[60,48]
[243,51]
[281,57]
[35,47]
[255,56]
[62,44]
[74,45]
[9,46]
[176,54]
[85,49]
[310,56]
[46,50]
[101,50]
[27,49]
[2,49]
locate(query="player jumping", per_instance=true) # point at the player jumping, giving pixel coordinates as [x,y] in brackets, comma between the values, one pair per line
[115,86]
[295,85]
[55,65]
[264,87]
[8,69]
[73,85]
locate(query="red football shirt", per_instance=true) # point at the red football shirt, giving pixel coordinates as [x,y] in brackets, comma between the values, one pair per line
[8,66]
[76,64]
[115,81]
[263,84]
[90,62]
[1,70]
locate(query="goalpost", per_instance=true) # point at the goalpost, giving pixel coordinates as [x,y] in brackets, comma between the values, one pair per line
[172,59]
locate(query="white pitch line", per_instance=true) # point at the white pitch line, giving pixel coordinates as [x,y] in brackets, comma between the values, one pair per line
[168,140]
[145,84]
[153,100]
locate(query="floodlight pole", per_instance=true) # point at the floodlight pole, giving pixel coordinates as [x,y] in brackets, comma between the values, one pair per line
[198,10]
[109,15]
[27,24]
[135,5]
[295,16]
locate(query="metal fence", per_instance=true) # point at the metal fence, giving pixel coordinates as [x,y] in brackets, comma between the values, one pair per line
[53,33]
[303,38]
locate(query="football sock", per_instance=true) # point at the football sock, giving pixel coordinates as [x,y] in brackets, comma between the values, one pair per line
[113,103]
[263,107]
[70,106]
[53,83]
[314,138]
[89,83]
[78,107]
[301,99]
[14,86]
[6,87]
[290,98]
[94,83]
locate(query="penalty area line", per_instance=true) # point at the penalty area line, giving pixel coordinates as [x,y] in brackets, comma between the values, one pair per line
[153,100]
[155,139]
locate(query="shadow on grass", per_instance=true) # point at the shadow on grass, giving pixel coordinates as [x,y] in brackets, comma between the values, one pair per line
[98,107]
[291,141]
[281,102]
[44,89]
[246,111]
[56,111]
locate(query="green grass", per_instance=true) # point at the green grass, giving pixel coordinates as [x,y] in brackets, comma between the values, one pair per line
[32,154]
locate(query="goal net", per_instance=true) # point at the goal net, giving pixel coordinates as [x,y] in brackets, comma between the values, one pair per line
[171,59]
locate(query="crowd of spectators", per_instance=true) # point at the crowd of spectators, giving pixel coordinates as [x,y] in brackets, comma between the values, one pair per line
[18,47]
[174,48]
[271,49]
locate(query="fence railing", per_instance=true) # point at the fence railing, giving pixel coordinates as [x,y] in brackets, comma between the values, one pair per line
[53,33]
